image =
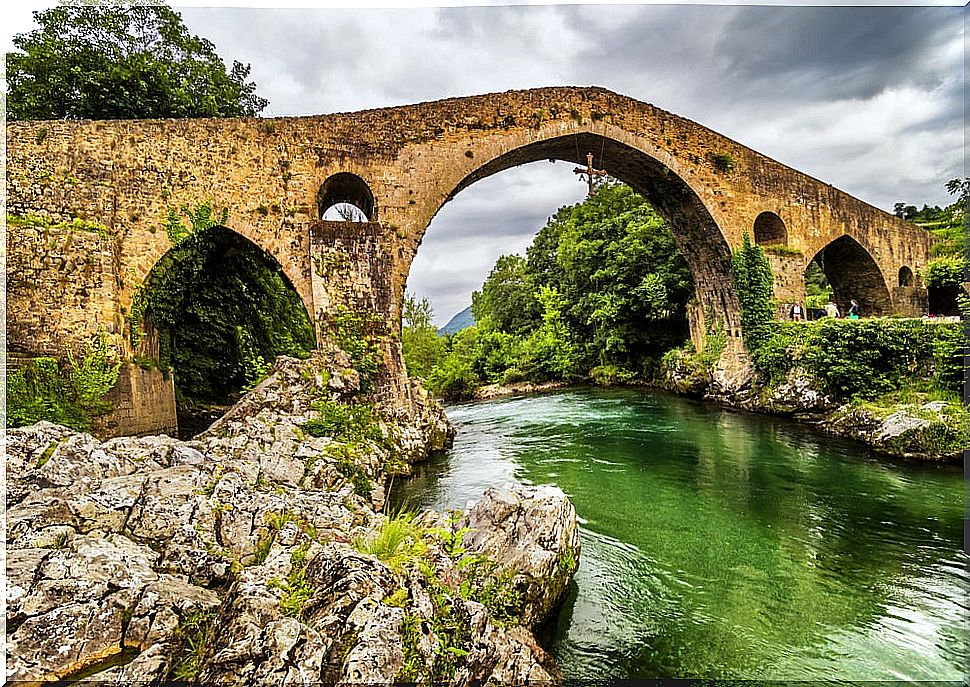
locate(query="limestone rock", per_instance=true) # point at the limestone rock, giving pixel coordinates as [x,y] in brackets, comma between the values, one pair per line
[531,532]
[232,558]
[923,431]
[798,394]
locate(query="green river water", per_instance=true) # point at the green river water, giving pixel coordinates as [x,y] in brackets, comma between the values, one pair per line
[717,544]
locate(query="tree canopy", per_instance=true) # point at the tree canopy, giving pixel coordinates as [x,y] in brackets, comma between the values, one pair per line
[602,294]
[122,62]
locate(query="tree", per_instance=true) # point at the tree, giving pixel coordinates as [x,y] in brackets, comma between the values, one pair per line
[603,284]
[122,62]
[423,348]
[506,298]
[624,282]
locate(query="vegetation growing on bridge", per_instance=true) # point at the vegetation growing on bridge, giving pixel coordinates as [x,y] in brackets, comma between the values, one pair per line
[41,222]
[601,293]
[69,392]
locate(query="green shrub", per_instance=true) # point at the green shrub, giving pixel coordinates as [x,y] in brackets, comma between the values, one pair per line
[723,162]
[610,375]
[866,358]
[948,356]
[453,378]
[949,270]
[754,285]
[71,395]
[343,421]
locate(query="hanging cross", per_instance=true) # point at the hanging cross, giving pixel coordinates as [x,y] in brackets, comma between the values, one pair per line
[589,173]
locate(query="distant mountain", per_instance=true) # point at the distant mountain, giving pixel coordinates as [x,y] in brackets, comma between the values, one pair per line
[458,322]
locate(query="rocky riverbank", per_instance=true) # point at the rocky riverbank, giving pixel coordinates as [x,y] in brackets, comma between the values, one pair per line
[492,391]
[932,431]
[258,553]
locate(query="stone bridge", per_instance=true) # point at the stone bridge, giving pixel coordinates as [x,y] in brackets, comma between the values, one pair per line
[105,188]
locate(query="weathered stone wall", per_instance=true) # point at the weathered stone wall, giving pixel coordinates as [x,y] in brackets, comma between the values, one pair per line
[61,288]
[352,273]
[128,175]
[143,402]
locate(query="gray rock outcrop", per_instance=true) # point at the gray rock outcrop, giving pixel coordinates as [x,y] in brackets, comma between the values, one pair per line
[257,554]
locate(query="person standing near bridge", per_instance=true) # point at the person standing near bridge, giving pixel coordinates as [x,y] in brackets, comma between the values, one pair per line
[854,310]
[832,310]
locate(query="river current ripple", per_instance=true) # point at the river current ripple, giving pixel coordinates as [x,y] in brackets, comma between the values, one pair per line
[719,544]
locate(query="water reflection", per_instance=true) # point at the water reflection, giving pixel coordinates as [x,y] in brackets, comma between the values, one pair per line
[721,544]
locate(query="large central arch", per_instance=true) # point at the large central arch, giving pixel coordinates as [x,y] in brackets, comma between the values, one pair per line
[696,231]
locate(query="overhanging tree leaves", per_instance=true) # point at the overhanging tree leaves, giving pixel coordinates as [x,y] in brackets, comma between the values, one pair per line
[122,62]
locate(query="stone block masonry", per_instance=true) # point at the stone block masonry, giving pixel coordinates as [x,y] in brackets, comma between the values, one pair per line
[404,163]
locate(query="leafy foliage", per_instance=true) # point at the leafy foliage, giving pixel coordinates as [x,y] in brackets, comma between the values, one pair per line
[222,309]
[754,285]
[949,270]
[353,332]
[296,588]
[868,357]
[343,421]
[422,346]
[71,394]
[507,301]
[122,61]
[454,377]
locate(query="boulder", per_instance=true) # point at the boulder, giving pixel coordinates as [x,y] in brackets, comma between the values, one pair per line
[531,532]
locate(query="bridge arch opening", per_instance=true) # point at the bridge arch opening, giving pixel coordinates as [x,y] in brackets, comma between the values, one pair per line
[695,230]
[847,272]
[215,312]
[770,230]
[345,196]
[695,233]
[906,276]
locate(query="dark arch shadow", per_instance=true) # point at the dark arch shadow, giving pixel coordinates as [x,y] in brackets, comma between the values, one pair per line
[906,276]
[770,230]
[853,274]
[346,188]
[695,231]
[215,311]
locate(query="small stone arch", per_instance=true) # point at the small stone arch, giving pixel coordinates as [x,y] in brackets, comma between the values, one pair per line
[770,230]
[345,188]
[906,276]
[853,274]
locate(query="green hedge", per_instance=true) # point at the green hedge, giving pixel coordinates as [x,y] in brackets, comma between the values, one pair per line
[868,357]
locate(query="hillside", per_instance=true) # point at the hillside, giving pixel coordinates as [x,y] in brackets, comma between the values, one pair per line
[458,322]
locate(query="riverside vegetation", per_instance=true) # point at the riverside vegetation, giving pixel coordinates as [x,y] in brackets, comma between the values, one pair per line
[601,297]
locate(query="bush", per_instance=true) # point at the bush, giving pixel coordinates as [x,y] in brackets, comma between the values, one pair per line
[44,390]
[610,375]
[945,271]
[453,378]
[754,285]
[866,358]
[343,422]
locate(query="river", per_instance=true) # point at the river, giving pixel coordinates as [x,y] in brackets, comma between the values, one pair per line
[718,544]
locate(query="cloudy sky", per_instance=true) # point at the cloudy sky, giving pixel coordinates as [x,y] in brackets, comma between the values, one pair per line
[866,98]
